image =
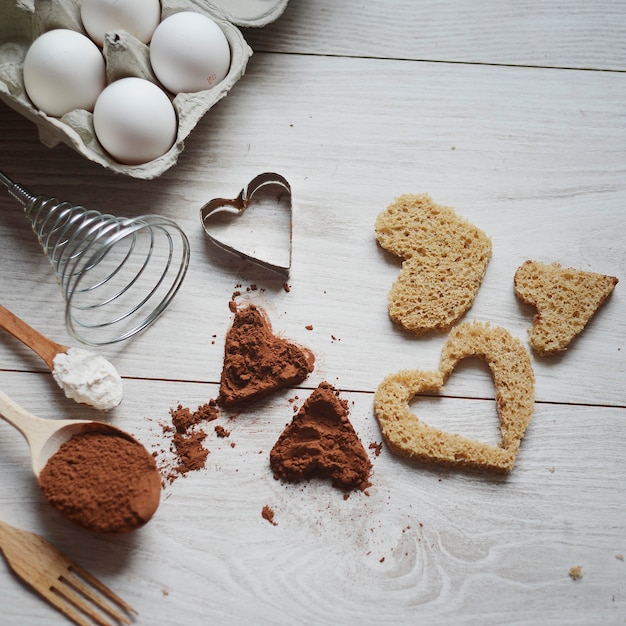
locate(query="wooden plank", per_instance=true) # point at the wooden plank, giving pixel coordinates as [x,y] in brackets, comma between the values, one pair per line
[533,157]
[354,106]
[441,545]
[573,34]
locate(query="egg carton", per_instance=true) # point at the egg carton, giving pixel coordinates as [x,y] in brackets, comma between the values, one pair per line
[23,21]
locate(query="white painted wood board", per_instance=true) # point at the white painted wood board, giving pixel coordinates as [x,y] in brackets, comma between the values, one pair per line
[535,156]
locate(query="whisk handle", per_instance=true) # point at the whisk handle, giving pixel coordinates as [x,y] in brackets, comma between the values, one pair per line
[5,180]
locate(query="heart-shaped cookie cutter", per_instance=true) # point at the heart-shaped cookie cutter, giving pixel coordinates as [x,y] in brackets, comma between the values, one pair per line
[241,203]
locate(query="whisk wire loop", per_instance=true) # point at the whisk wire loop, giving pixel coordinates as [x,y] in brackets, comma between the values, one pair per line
[104,263]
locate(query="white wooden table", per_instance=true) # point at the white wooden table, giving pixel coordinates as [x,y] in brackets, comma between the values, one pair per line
[512,113]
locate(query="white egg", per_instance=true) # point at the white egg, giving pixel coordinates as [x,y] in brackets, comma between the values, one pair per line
[137,17]
[189,52]
[63,71]
[135,121]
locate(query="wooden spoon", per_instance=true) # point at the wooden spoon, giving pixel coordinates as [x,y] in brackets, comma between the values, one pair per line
[99,385]
[81,492]
[38,343]
[45,436]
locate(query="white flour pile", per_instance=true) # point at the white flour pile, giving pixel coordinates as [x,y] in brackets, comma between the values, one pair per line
[88,378]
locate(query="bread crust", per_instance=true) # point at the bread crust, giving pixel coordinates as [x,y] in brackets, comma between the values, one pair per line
[565,299]
[514,380]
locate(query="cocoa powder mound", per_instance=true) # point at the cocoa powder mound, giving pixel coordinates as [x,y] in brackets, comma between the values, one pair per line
[257,362]
[102,482]
[321,442]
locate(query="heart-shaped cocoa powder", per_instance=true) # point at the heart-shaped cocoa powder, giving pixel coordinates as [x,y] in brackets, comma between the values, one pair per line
[321,442]
[514,380]
[257,362]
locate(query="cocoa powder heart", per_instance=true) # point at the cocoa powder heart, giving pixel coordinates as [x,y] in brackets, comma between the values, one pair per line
[257,362]
[321,442]
[513,376]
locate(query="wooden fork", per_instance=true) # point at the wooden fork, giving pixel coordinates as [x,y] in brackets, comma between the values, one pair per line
[60,581]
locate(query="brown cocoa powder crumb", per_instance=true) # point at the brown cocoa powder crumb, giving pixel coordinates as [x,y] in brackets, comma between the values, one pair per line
[377,447]
[103,482]
[268,513]
[207,412]
[182,418]
[220,431]
[321,442]
[257,362]
[191,455]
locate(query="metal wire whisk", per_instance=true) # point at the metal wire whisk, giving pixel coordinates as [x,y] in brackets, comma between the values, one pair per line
[117,274]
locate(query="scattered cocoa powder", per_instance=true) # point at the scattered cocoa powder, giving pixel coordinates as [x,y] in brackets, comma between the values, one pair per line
[257,362]
[321,442]
[187,439]
[191,454]
[268,514]
[103,482]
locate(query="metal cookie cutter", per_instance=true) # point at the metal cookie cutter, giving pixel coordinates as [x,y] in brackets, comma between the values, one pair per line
[268,181]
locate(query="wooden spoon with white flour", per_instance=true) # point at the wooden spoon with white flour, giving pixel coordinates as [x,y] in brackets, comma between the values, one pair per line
[84,376]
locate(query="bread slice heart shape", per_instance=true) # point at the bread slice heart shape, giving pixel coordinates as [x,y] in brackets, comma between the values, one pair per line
[514,381]
[444,259]
[565,299]
[256,225]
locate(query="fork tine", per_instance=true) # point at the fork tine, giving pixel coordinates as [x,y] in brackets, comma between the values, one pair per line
[63,605]
[65,592]
[66,585]
[74,575]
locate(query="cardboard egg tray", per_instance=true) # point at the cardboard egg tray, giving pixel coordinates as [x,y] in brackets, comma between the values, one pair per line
[22,21]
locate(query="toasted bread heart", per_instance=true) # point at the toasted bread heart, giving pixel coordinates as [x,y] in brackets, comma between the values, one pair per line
[565,300]
[514,381]
[257,362]
[444,259]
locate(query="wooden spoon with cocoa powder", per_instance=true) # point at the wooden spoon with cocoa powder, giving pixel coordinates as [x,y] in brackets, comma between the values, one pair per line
[46,438]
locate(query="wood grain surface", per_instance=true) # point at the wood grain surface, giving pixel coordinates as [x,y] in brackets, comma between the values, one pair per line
[513,115]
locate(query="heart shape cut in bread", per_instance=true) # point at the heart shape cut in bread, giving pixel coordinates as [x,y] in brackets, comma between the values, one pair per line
[444,259]
[565,299]
[514,380]
[263,239]
[257,362]
[321,442]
